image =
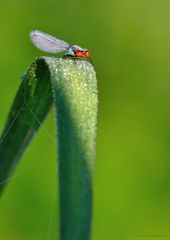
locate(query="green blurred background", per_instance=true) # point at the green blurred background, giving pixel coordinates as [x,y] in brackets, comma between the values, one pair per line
[130,45]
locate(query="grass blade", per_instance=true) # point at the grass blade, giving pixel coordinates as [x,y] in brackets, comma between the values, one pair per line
[35,92]
[75,98]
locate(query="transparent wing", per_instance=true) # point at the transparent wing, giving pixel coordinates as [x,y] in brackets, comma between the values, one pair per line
[48,43]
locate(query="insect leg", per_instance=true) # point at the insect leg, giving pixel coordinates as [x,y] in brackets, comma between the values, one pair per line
[90,60]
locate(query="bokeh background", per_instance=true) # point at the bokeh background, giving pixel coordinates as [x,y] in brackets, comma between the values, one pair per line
[130,45]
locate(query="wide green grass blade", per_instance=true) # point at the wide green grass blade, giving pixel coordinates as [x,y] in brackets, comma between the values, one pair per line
[71,85]
[76,106]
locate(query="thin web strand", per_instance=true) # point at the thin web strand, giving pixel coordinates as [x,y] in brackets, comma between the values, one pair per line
[16,116]
[41,124]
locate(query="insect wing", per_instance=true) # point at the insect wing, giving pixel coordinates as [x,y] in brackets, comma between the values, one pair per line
[78,48]
[48,43]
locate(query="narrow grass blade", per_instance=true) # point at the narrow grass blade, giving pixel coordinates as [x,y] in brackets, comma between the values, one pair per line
[35,93]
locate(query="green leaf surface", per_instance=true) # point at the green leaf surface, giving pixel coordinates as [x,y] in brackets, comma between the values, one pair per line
[71,86]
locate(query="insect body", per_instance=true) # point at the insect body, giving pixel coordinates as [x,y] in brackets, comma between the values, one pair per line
[50,44]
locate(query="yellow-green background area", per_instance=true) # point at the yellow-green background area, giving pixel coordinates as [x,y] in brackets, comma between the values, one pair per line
[130,45]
